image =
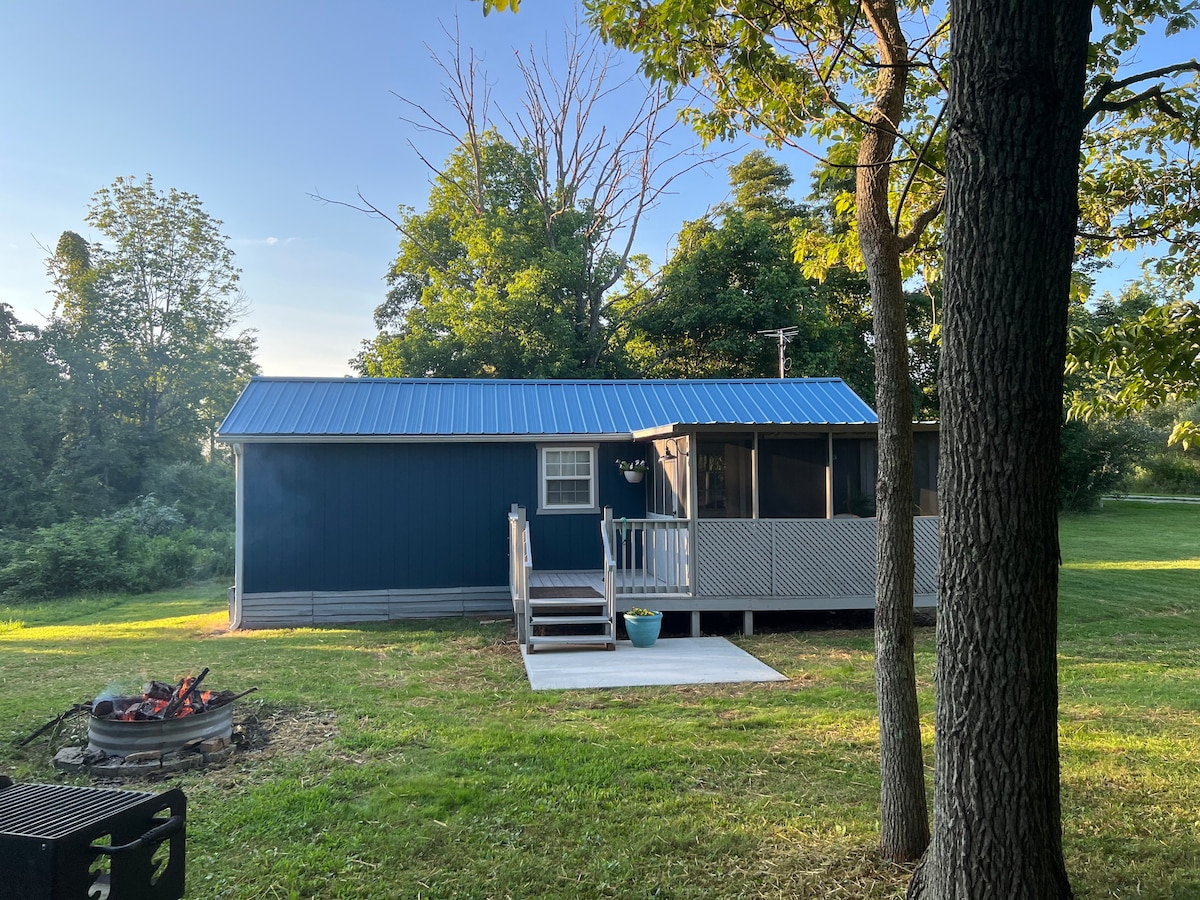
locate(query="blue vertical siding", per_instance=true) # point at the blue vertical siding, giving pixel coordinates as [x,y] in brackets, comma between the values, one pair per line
[365,516]
[572,542]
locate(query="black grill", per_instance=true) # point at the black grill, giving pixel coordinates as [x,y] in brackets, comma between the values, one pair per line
[54,840]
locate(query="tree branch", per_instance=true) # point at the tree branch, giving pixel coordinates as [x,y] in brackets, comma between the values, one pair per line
[1100,102]
[920,223]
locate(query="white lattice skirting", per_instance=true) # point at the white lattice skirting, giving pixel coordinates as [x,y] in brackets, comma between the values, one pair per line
[803,558]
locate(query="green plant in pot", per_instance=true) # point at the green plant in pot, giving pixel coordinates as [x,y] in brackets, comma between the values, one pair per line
[642,626]
[633,470]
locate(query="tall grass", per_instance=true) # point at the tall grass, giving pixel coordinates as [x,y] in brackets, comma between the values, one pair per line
[412,760]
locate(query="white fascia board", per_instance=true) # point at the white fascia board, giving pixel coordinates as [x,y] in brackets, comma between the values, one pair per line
[702,428]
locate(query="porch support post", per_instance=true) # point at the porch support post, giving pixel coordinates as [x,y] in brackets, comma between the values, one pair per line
[829,477]
[695,623]
[748,622]
[754,479]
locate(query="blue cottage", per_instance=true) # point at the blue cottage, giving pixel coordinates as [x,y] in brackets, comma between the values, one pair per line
[377,499]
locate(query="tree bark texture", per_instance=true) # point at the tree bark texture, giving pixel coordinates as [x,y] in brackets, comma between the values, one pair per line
[904,815]
[1015,124]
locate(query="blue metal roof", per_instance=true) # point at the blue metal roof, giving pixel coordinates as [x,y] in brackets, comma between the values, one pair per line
[413,408]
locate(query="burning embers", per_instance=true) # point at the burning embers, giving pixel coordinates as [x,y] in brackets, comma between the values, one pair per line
[160,700]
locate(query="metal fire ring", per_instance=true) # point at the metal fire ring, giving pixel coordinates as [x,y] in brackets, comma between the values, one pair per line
[119,738]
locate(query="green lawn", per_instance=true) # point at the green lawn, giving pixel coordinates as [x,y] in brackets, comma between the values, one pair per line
[414,761]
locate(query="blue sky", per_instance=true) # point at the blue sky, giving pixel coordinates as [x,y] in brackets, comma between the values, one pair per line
[253,106]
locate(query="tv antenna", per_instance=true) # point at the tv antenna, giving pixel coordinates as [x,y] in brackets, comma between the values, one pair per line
[784,336]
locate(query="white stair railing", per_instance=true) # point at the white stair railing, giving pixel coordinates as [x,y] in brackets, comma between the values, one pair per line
[520,567]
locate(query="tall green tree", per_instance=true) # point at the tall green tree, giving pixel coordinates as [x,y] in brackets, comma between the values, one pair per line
[518,265]
[865,77]
[145,325]
[481,286]
[729,281]
[31,408]
[1136,353]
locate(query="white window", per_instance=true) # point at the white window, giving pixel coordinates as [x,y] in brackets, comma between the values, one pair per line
[568,477]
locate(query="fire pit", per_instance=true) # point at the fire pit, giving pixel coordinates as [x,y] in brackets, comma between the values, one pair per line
[162,718]
[117,737]
[166,728]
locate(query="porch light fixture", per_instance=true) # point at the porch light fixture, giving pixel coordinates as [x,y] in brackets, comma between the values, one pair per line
[670,454]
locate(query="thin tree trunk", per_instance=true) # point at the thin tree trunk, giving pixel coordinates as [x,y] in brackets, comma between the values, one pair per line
[1016,99]
[904,815]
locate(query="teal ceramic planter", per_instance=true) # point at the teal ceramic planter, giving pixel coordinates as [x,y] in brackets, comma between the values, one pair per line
[643,630]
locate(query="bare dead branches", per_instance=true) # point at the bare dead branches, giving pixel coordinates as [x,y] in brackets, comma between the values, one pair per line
[372,210]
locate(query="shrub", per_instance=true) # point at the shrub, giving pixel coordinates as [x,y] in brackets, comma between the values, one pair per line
[91,556]
[1169,472]
[214,554]
[80,556]
[1095,460]
[202,492]
[147,516]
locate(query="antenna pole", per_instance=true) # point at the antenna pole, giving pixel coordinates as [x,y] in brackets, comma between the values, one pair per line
[784,336]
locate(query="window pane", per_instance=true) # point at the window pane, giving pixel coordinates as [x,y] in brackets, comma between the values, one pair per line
[568,492]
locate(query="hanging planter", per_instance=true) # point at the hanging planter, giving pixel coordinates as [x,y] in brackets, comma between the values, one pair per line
[634,471]
[643,626]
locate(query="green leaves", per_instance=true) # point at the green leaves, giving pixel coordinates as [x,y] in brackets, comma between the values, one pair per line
[502,5]
[1138,363]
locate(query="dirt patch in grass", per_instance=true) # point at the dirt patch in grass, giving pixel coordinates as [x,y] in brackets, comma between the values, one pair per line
[270,730]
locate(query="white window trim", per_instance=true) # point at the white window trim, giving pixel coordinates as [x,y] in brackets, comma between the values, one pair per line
[593,506]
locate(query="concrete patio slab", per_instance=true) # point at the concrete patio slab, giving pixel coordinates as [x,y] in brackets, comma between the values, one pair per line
[708,660]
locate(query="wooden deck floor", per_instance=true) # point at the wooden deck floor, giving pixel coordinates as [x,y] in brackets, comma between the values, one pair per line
[542,579]
[634,583]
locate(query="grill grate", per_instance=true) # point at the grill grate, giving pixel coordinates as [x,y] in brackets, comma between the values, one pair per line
[50,811]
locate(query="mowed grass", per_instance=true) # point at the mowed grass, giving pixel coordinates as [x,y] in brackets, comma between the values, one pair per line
[412,760]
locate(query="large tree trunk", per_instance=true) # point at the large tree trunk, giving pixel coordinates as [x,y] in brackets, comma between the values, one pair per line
[903,813]
[1016,99]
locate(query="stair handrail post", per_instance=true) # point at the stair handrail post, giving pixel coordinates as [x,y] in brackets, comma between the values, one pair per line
[610,566]
[520,566]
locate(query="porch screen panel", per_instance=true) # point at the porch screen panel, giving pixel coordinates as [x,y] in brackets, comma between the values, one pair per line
[725,478]
[854,465]
[925,468]
[792,478]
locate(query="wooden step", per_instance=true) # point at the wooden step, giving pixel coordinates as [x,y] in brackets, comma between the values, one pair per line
[564,601]
[592,640]
[570,620]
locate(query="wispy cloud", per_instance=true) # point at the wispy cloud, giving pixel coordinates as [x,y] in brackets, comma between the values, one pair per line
[271,241]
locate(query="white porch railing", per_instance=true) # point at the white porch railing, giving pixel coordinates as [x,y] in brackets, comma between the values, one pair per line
[520,566]
[649,556]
